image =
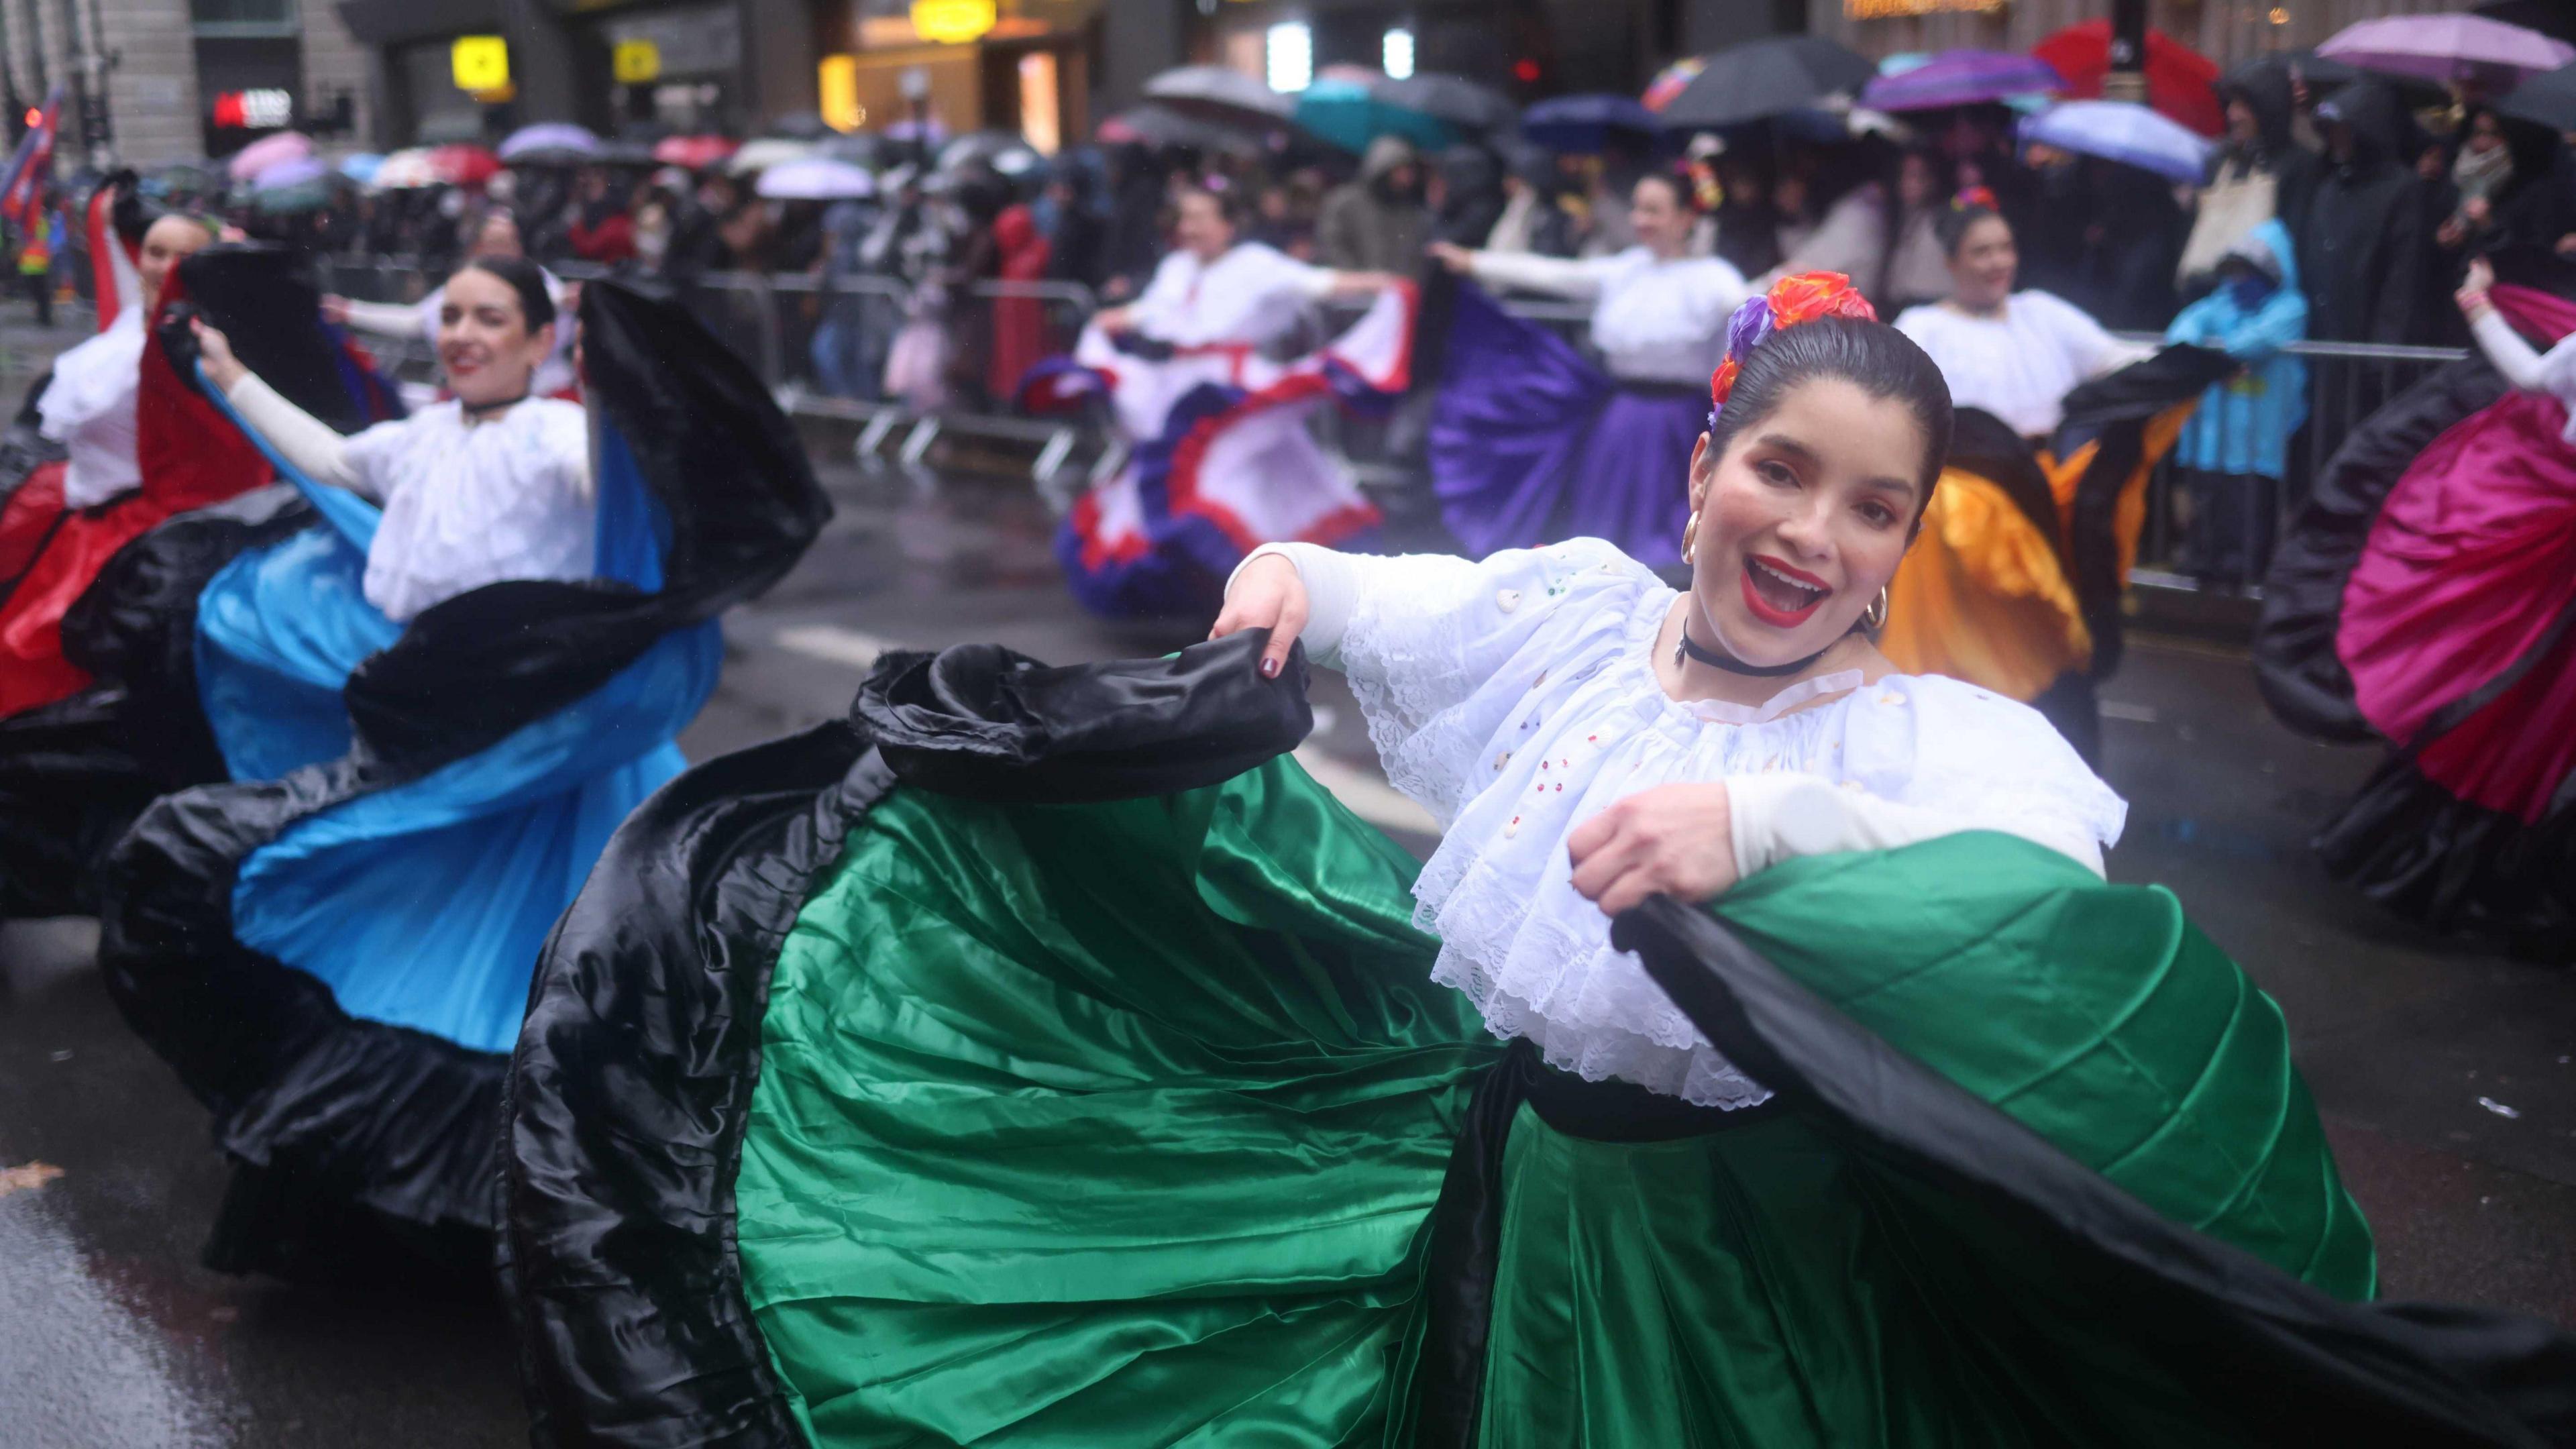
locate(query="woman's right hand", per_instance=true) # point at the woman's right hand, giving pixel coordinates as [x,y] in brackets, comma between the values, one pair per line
[2472,295]
[1453,256]
[1114,321]
[1268,594]
[335,309]
[215,356]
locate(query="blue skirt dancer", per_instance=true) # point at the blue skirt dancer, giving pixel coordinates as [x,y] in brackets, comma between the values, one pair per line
[431,734]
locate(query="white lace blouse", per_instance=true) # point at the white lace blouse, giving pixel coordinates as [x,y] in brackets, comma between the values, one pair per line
[1515,698]
[1654,320]
[1251,294]
[89,409]
[2020,365]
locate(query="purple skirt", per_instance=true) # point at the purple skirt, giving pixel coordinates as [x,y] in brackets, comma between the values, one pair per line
[1531,444]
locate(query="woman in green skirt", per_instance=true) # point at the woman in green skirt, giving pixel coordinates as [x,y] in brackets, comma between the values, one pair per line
[1038,1058]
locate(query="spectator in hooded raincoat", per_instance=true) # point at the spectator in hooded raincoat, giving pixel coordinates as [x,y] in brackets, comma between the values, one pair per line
[2362,249]
[1466,196]
[2235,448]
[1376,221]
[2261,173]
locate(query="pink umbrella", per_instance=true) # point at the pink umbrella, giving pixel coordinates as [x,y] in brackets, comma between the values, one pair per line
[2448,47]
[267,151]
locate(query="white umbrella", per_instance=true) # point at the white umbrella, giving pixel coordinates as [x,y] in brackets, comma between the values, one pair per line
[405,170]
[2122,131]
[766,152]
[816,178]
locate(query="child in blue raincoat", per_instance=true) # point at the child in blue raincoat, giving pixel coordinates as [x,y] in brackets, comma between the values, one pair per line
[2234,449]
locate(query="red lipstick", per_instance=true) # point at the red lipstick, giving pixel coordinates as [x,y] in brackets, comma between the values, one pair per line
[1771,614]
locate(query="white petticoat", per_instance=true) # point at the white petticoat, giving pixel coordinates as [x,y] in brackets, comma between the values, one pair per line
[1515,698]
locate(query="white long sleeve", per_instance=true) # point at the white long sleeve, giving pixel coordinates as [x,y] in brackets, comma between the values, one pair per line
[386,319]
[1332,580]
[305,440]
[1579,277]
[1777,817]
[2518,360]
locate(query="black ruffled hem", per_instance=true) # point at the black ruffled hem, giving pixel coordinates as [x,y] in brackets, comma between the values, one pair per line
[2422,853]
[2288,1363]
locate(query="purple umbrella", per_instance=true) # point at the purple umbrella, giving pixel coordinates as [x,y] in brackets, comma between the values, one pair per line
[1961,78]
[2448,47]
[293,171]
[560,136]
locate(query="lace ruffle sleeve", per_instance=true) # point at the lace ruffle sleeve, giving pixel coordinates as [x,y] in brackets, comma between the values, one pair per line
[1436,648]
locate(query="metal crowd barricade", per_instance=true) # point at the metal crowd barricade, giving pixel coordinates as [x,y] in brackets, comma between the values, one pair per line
[2347,381]
[822,346]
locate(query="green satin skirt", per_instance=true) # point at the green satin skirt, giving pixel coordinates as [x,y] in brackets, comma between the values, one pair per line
[1108,1125]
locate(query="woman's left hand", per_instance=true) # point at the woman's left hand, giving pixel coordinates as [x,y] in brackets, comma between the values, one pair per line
[1676,840]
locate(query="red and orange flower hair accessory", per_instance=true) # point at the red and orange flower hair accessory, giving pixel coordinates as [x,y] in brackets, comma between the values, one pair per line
[1791,301]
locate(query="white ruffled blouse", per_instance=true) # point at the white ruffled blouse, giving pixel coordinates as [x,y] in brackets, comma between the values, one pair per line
[1515,698]
[1653,320]
[474,504]
[2021,364]
[89,409]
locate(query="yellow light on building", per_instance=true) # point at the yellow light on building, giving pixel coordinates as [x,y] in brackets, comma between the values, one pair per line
[952,22]
[635,62]
[836,88]
[2280,16]
[479,62]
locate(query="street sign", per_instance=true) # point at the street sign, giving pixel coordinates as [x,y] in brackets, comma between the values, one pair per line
[636,62]
[479,62]
[952,22]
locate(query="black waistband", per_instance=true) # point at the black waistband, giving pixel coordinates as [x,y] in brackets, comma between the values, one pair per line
[1467,1220]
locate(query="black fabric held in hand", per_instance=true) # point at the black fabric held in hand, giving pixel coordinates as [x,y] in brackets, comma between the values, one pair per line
[2290,1364]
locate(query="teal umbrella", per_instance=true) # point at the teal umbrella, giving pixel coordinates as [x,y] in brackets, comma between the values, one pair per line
[1350,114]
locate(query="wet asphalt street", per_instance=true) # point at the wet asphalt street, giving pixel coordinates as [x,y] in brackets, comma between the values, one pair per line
[2444,1072]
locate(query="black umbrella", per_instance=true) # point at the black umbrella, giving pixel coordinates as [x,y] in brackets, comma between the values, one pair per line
[2553,18]
[1222,95]
[800,126]
[1158,125]
[2321,73]
[1766,77]
[2548,98]
[1455,99]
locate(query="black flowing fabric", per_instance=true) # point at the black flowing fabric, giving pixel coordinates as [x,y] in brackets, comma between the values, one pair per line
[2295,1365]
[358,1143]
[75,773]
[2110,415]
[631,1124]
[2413,839]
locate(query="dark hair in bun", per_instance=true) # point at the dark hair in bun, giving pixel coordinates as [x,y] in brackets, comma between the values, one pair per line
[1965,210]
[525,278]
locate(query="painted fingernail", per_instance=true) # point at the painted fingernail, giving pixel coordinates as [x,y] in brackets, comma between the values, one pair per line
[1270,669]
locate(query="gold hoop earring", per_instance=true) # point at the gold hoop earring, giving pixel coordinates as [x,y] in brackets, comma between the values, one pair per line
[1875,617]
[1690,535]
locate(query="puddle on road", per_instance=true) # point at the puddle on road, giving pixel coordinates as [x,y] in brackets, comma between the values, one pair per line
[81,1362]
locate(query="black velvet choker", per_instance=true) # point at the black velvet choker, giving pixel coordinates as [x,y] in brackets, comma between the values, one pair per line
[479,411]
[1733,665]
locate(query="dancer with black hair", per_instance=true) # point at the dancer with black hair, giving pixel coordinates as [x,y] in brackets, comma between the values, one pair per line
[121,472]
[1530,442]
[1037,1057]
[2018,582]
[1222,460]
[437,680]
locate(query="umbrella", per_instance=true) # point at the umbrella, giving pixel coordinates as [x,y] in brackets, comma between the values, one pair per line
[2181,82]
[293,171]
[1155,124]
[697,153]
[2448,47]
[2122,131]
[267,151]
[1763,78]
[859,148]
[1585,125]
[2321,73]
[979,148]
[623,153]
[404,170]
[1671,81]
[801,126]
[549,136]
[1350,114]
[460,165]
[362,167]
[2548,99]
[1454,99]
[558,156]
[816,178]
[1219,94]
[766,152]
[285,200]
[1960,78]
[2550,17]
